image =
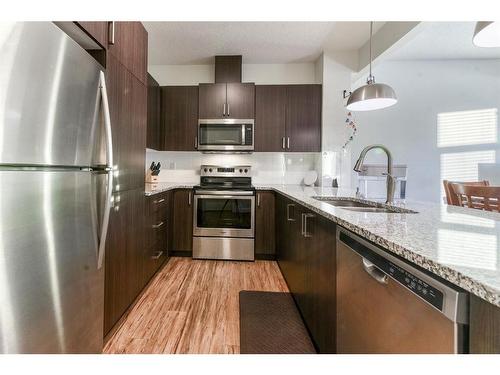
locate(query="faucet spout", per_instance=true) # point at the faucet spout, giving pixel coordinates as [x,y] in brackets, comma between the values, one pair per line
[390,178]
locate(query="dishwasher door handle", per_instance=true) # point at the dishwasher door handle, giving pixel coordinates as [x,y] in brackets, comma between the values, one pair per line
[375,272]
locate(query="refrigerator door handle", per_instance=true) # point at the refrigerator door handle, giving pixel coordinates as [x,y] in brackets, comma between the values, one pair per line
[109,155]
[107,120]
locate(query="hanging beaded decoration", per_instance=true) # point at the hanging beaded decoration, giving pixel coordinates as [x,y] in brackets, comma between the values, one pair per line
[350,123]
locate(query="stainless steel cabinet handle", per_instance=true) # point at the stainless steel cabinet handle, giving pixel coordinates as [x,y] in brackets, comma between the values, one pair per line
[228,109]
[288,212]
[258,199]
[304,224]
[157,255]
[195,142]
[374,272]
[224,113]
[111,33]
[189,199]
[160,224]
[288,142]
[160,201]
[283,142]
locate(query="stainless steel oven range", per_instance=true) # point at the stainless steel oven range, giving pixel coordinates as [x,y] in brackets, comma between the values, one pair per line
[224,214]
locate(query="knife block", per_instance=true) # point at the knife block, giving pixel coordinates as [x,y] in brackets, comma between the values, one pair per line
[150,178]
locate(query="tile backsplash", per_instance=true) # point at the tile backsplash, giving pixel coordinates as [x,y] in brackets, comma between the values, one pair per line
[267,167]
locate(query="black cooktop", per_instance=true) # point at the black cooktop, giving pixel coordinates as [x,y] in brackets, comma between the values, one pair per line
[225,183]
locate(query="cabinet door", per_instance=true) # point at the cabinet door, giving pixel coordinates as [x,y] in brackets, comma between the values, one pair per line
[124,247]
[157,232]
[154,110]
[289,226]
[179,117]
[240,102]
[128,110]
[182,221]
[303,118]
[319,299]
[130,47]
[270,111]
[212,101]
[265,244]
[98,30]
[136,154]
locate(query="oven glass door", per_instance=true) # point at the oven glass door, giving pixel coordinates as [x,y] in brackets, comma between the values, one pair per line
[224,215]
[221,135]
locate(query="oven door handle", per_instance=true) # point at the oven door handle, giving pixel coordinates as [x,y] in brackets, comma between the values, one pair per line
[222,193]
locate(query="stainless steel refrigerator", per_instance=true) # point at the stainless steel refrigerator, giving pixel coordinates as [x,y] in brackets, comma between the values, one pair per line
[55,192]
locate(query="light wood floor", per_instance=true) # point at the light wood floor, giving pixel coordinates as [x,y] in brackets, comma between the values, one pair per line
[191,306]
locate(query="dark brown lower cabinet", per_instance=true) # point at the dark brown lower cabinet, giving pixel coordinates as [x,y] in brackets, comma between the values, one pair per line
[124,254]
[484,327]
[306,256]
[182,222]
[265,231]
[157,222]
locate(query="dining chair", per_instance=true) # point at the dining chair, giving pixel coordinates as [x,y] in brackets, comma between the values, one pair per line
[452,198]
[479,197]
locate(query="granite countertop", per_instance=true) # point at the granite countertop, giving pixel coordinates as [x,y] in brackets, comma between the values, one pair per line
[460,245]
[161,187]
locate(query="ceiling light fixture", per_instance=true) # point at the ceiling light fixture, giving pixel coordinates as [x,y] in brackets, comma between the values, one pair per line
[487,34]
[372,95]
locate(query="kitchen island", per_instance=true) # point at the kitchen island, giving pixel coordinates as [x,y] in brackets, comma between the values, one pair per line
[459,245]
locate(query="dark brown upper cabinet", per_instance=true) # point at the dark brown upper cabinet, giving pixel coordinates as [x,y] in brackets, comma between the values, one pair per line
[212,100]
[288,118]
[270,118]
[228,69]
[128,42]
[179,118]
[303,118]
[97,30]
[231,100]
[154,111]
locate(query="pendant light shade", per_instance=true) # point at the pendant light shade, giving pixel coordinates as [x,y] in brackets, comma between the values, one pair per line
[487,34]
[372,95]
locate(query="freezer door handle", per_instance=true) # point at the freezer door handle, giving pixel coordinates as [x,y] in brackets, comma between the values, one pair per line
[374,272]
[109,168]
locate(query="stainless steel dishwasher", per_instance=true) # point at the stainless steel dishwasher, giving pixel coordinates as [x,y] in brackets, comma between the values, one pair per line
[385,305]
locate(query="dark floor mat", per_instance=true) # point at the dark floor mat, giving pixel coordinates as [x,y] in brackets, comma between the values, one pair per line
[271,324]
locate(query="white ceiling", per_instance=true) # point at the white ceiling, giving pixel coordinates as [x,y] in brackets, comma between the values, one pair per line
[258,42]
[443,40]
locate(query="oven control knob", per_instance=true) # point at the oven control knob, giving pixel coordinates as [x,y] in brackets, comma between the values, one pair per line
[246,170]
[210,170]
[205,169]
[241,170]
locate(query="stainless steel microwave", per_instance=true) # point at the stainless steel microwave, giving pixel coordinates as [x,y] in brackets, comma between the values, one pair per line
[230,135]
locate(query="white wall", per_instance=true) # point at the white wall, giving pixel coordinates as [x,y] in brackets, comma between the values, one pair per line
[336,77]
[409,129]
[259,73]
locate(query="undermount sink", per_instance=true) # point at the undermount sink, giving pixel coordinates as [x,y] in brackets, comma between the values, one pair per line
[357,205]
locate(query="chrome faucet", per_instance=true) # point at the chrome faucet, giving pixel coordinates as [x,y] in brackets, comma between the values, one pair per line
[390,179]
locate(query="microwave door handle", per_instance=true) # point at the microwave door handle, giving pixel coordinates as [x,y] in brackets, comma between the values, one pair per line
[243,141]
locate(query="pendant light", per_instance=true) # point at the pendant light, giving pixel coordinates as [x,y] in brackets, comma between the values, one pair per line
[487,34]
[372,95]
